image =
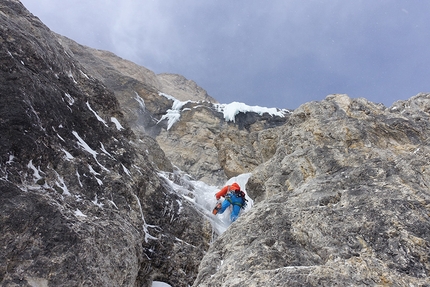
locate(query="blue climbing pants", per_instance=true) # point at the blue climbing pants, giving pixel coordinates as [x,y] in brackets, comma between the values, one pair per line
[237,203]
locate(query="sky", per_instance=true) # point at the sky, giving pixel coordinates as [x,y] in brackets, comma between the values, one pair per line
[278,53]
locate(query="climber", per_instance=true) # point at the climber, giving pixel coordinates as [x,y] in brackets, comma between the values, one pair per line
[233,196]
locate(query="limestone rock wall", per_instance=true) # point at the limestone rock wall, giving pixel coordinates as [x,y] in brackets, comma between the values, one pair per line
[212,149]
[343,202]
[340,186]
[202,143]
[81,201]
[182,88]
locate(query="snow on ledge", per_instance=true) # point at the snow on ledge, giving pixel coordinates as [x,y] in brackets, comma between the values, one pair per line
[231,110]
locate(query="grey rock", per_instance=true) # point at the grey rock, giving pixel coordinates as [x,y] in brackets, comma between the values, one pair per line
[211,149]
[202,143]
[340,187]
[81,201]
[343,202]
[182,88]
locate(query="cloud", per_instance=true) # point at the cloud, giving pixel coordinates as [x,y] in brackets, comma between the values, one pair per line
[274,53]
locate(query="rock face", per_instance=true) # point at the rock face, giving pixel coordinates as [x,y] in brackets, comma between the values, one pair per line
[212,149]
[91,148]
[183,89]
[344,201]
[202,143]
[136,88]
[82,203]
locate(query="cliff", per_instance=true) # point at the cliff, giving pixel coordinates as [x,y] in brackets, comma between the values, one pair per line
[344,201]
[107,176]
[82,202]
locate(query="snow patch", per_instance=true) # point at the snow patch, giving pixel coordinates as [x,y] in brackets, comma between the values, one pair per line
[105,151]
[69,98]
[96,202]
[231,110]
[36,171]
[92,170]
[113,203]
[117,124]
[60,138]
[84,145]
[79,213]
[97,116]
[60,183]
[70,75]
[99,181]
[126,170]
[11,158]
[79,178]
[85,75]
[87,148]
[68,155]
[160,284]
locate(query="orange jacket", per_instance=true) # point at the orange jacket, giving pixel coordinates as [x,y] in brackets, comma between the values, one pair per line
[226,189]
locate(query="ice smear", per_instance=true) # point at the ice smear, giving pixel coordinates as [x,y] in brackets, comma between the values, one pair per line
[167,96]
[202,196]
[229,110]
[145,225]
[174,114]
[140,101]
